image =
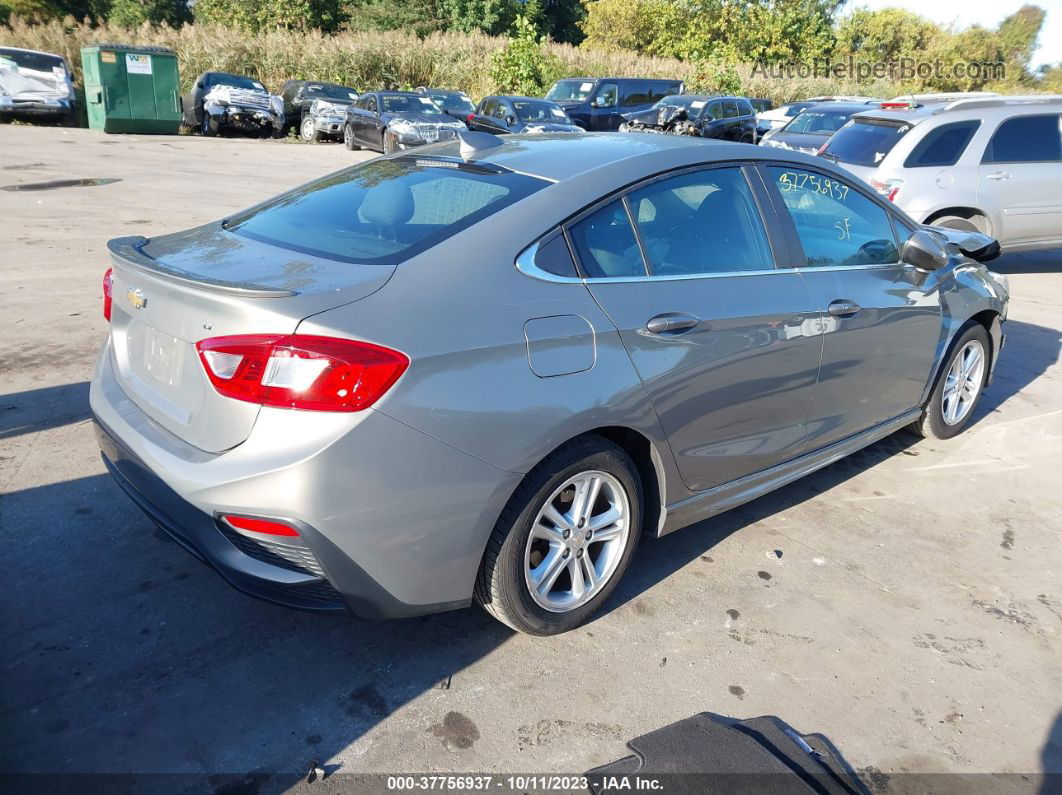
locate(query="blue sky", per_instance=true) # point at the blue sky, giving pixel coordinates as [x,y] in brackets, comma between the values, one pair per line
[988,13]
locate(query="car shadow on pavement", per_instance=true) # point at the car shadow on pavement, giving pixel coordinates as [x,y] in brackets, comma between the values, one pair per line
[42,409]
[1028,262]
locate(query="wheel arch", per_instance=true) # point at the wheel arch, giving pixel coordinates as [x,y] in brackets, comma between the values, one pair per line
[990,320]
[980,218]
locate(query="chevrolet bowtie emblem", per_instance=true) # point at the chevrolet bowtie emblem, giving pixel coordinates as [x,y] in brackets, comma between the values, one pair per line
[136,298]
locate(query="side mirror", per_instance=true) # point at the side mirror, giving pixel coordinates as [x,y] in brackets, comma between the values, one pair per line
[974,245]
[925,250]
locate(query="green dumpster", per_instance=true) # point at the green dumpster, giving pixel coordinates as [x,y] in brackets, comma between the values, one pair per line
[131,89]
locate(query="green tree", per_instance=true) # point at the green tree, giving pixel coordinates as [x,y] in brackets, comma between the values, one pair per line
[489,16]
[886,35]
[521,67]
[326,15]
[135,12]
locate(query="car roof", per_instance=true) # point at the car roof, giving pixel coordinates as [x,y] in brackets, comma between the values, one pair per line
[517,96]
[397,93]
[843,107]
[562,156]
[932,106]
[34,52]
[627,79]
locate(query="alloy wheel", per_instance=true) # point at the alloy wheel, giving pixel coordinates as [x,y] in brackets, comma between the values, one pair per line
[963,382]
[577,541]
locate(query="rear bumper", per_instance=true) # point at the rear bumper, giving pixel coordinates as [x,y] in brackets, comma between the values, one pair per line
[393,522]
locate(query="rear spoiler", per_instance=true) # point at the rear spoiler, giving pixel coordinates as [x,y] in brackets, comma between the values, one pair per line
[128,252]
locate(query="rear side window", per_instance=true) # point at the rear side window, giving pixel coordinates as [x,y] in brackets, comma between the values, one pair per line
[744,108]
[606,244]
[942,146]
[657,91]
[865,142]
[836,224]
[634,94]
[730,109]
[701,222]
[554,257]
[384,211]
[1026,139]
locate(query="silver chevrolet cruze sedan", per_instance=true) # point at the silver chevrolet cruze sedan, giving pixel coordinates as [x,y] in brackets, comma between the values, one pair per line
[486,369]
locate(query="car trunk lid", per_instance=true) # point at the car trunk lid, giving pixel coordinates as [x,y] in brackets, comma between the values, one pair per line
[171,292]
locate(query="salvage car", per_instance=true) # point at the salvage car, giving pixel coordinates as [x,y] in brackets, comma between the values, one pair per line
[454,103]
[597,103]
[327,101]
[512,114]
[776,118]
[222,102]
[699,115]
[35,85]
[389,121]
[484,369]
[810,129]
[978,162]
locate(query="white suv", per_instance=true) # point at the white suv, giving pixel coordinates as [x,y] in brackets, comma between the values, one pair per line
[985,163]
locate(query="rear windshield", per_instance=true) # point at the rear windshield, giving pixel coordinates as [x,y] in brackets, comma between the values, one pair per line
[539,110]
[865,142]
[453,103]
[38,61]
[385,211]
[571,90]
[818,122]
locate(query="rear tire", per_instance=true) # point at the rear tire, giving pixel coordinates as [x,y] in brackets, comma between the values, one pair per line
[959,386]
[576,556]
[955,222]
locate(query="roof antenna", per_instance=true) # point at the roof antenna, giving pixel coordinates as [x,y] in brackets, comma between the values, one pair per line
[472,142]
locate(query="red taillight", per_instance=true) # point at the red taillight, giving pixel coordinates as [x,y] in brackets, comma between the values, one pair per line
[260,526]
[822,148]
[471,116]
[887,187]
[899,105]
[108,283]
[299,371]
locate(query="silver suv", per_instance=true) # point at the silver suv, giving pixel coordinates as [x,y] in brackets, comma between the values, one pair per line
[984,163]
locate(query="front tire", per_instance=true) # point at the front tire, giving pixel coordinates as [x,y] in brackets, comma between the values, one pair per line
[308,130]
[959,387]
[564,539]
[210,126]
[390,143]
[348,138]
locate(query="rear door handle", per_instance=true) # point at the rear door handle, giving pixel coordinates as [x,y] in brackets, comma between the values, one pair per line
[998,175]
[843,308]
[671,323]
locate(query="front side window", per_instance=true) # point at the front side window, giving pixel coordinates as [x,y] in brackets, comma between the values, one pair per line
[942,146]
[701,222]
[607,96]
[384,211]
[837,225]
[715,110]
[1026,139]
[606,245]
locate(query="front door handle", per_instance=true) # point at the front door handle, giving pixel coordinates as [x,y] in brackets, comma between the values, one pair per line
[671,323]
[842,308]
[998,175]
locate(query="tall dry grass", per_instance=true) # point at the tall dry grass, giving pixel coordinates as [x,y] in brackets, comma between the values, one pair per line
[384,59]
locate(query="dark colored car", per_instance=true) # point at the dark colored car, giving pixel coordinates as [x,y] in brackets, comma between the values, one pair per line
[598,103]
[813,126]
[299,96]
[454,103]
[222,102]
[388,121]
[508,114]
[725,118]
[35,85]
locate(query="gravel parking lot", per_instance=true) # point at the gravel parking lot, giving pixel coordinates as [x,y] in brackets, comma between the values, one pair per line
[906,602]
